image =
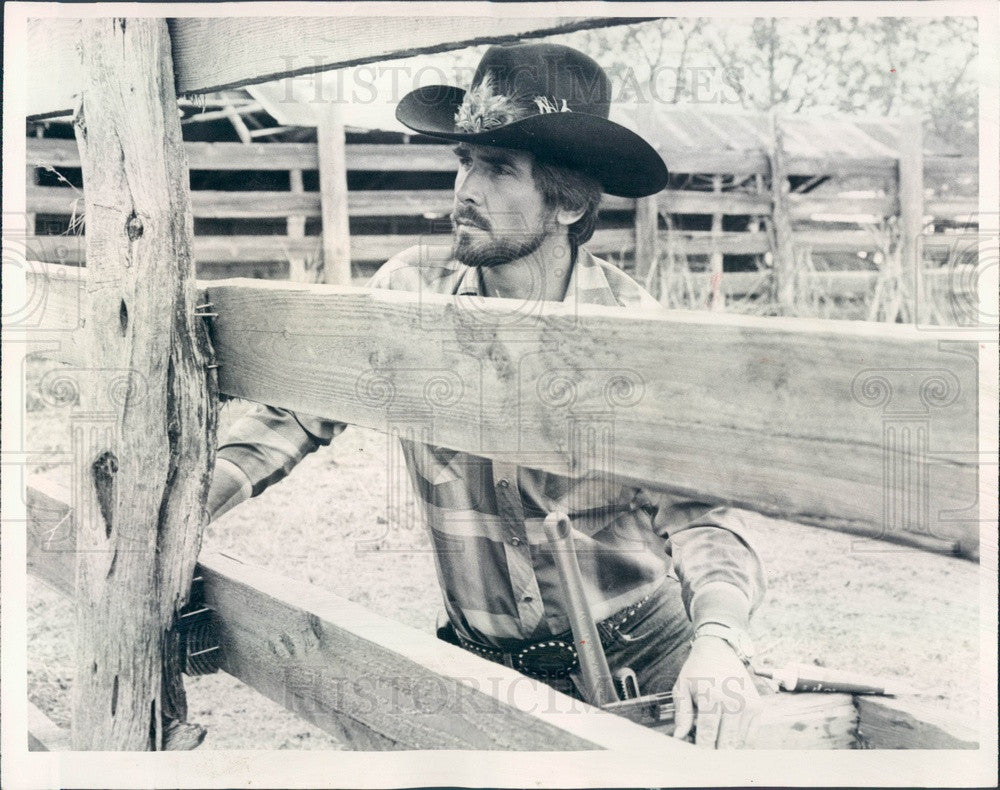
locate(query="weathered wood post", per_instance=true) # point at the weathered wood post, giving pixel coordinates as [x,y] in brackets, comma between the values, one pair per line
[149,479]
[647,216]
[333,194]
[783,250]
[717,299]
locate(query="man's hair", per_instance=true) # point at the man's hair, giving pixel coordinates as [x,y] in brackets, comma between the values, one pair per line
[562,187]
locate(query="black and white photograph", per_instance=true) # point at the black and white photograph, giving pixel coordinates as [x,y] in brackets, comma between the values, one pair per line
[474,394]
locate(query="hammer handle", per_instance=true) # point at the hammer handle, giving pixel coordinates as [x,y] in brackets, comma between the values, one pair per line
[598,685]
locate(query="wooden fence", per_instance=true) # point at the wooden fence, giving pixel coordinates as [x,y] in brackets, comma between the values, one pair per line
[375,684]
[636,246]
[810,435]
[277,635]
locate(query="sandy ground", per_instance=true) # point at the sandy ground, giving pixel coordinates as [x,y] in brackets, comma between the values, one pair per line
[832,599]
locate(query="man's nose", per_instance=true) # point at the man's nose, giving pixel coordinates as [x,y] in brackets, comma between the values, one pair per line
[469,187]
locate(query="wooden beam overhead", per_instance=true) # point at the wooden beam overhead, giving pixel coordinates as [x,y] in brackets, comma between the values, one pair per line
[216,53]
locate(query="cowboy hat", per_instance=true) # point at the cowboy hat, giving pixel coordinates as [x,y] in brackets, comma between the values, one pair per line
[548,99]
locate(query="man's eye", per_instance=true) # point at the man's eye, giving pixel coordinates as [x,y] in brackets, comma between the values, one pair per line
[499,170]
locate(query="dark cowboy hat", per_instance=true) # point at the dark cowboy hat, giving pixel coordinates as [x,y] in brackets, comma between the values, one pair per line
[548,99]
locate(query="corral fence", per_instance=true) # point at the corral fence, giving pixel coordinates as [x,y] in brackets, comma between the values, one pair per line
[821,431]
[862,209]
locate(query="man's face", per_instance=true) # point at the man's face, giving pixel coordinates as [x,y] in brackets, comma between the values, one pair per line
[499,213]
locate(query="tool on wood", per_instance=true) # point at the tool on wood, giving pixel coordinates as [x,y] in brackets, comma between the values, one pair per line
[621,694]
[806,677]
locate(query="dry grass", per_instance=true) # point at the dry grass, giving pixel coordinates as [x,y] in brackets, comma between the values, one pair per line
[832,599]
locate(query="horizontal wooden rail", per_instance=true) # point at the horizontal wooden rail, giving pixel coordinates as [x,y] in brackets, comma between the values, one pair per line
[376,684]
[788,417]
[378,248]
[439,158]
[439,202]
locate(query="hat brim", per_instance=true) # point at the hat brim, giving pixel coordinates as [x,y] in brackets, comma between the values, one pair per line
[618,158]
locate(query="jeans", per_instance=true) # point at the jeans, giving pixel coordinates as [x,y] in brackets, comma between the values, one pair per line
[654,644]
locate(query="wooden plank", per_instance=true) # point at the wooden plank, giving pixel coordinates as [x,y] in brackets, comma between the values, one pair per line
[647,237]
[265,48]
[885,723]
[337,251]
[802,441]
[806,441]
[144,455]
[44,735]
[377,684]
[272,156]
[801,721]
[438,202]
[439,158]
[690,202]
[372,682]
[717,300]
[246,250]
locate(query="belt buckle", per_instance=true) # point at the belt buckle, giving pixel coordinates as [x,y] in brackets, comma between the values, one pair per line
[550,659]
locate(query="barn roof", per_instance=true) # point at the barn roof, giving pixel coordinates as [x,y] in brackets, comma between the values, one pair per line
[672,128]
[676,127]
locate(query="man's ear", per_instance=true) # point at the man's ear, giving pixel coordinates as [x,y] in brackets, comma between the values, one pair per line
[567,217]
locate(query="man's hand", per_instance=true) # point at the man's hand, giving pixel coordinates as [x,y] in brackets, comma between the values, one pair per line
[714,683]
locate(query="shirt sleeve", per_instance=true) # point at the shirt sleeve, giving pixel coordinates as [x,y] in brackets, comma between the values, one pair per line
[721,574]
[267,442]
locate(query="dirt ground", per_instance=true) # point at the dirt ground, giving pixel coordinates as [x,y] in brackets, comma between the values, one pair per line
[833,599]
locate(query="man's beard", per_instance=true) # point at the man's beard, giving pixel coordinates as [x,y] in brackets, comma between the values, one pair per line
[488,253]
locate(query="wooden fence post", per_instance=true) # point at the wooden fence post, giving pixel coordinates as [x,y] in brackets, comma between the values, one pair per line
[717,298]
[647,218]
[148,478]
[333,194]
[785,285]
[911,209]
[296,226]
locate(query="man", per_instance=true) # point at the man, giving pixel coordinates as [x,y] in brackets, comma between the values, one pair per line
[535,150]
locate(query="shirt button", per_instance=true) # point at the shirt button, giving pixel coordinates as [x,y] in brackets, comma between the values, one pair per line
[503,484]
[516,541]
[527,599]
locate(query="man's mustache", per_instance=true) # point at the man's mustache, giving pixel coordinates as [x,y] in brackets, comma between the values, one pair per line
[471,216]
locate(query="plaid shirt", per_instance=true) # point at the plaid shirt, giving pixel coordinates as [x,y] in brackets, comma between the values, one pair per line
[485,517]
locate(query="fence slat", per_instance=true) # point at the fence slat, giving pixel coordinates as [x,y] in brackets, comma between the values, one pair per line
[379,248]
[804,441]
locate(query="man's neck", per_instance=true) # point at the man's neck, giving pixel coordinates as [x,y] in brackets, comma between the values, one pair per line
[542,275]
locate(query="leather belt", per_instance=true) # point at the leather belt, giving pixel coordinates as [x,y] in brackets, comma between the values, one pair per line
[549,658]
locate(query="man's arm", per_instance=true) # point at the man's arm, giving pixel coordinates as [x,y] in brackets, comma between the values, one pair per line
[264,445]
[260,449]
[722,582]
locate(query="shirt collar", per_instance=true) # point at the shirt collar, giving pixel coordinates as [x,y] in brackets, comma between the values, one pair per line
[588,284]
